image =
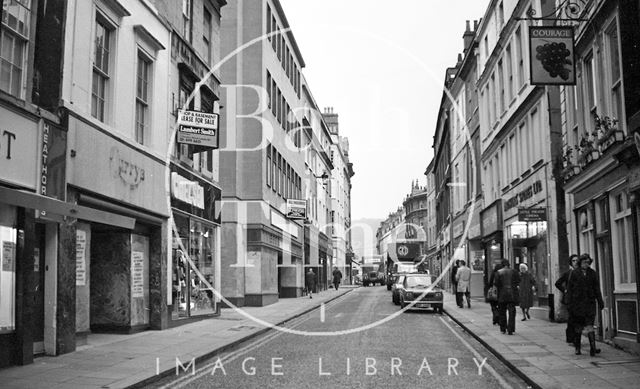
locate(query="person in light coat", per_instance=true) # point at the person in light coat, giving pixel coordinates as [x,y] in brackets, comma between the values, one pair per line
[463,278]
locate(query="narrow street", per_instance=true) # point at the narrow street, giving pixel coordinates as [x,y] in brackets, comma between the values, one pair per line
[414,349]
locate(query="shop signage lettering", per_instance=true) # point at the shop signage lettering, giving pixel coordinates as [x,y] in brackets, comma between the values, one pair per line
[532,215]
[551,55]
[137,278]
[45,157]
[8,137]
[524,195]
[8,256]
[187,191]
[130,173]
[81,268]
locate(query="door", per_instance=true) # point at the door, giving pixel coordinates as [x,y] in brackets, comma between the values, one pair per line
[38,288]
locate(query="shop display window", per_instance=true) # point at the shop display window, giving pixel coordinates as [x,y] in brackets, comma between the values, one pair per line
[8,240]
[526,242]
[193,281]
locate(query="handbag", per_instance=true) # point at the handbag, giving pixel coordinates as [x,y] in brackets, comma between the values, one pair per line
[492,293]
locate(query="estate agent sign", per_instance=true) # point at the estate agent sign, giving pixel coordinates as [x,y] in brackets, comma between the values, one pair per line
[198,129]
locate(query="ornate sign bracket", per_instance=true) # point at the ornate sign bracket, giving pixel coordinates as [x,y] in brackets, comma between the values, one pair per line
[566,11]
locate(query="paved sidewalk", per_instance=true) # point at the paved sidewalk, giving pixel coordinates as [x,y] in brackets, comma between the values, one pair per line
[537,351]
[120,361]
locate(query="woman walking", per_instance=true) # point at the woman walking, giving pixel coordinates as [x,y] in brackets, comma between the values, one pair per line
[527,283]
[583,292]
[494,303]
[561,284]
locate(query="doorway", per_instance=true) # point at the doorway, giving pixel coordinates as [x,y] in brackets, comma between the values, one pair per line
[38,288]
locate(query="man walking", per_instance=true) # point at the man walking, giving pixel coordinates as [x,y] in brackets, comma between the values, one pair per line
[507,281]
[310,281]
[454,282]
[337,277]
[463,278]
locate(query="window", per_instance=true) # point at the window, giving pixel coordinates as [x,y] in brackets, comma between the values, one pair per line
[500,17]
[502,84]
[268,166]
[268,23]
[273,169]
[14,37]
[624,265]
[142,101]
[615,82]
[269,97]
[274,38]
[519,58]
[509,75]
[536,147]
[101,60]
[186,20]
[589,89]
[206,34]
[279,182]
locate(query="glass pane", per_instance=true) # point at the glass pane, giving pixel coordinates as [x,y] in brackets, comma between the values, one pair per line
[202,254]
[7,46]
[16,81]
[613,52]
[5,76]
[8,235]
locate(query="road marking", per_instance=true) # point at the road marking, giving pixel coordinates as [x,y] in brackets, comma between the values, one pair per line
[501,380]
[322,313]
[230,357]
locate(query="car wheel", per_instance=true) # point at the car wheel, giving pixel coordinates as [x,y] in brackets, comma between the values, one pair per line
[439,309]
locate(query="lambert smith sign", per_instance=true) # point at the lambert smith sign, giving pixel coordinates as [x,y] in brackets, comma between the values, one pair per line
[198,128]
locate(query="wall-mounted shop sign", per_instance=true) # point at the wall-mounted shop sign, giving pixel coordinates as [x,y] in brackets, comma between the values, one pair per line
[18,146]
[524,195]
[198,129]
[458,229]
[53,153]
[296,209]
[127,171]
[491,219]
[551,55]
[187,191]
[532,215]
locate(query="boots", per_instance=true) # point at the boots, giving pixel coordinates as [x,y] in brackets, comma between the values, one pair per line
[576,343]
[592,344]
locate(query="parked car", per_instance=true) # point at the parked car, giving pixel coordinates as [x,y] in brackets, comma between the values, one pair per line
[396,284]
[421,290]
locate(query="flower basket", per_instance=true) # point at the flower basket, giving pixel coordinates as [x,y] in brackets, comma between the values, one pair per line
[609,139]
[588,156]
[570,171]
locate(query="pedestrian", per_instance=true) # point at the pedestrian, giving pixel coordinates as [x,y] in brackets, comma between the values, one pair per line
[463,279]
[337,277]
[310,281]
[454,282]
[561,284]
[583,293]
[526,291]
[494,304]
[507,281]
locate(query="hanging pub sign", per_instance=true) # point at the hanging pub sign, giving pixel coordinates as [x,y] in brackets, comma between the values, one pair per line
[198,129]
[551,55]
[296,209]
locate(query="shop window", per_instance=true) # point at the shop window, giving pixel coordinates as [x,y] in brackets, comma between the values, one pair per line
[587,231]
[615,74]
[622,238]
[8,240]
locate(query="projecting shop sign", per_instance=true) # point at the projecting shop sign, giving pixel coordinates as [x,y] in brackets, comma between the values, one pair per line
[198,128]
[296,209]
[551,55]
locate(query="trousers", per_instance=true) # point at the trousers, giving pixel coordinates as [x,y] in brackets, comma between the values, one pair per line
[507,316]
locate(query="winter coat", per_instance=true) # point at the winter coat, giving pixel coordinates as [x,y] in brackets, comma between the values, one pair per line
[337,275]
[310,279]
[583,291]
[463,278]
[561,284]
[527,282]
[507,281]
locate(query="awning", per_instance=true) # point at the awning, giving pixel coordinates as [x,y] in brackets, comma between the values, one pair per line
[35,201]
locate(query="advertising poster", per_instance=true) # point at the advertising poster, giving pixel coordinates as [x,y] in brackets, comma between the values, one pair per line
[8,256]
[137,276]
[81,248]
[551,55]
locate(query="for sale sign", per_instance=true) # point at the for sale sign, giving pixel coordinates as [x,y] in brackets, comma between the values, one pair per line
[551,55]
[198,129]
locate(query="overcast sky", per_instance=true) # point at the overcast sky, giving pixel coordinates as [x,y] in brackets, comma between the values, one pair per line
[381,65]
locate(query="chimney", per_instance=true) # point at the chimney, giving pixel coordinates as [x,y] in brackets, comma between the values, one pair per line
[475,25]
[468,35]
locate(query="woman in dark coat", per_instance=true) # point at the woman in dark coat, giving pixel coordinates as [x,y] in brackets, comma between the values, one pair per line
[527,283]
[561,284]
[583,292]
[494,304]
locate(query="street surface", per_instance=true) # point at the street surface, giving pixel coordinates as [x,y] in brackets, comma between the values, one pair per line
[415,349]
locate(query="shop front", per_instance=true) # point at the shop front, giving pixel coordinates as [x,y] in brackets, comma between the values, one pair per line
[119,267]
[603,202]
[491,230]
[195,246]
[475,253]
[525,211]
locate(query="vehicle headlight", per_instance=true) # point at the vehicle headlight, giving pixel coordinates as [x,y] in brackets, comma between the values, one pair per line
[438,294]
